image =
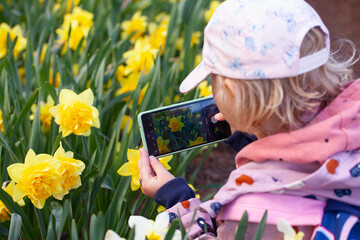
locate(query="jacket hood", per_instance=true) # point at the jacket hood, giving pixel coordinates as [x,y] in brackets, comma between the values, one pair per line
[335,129]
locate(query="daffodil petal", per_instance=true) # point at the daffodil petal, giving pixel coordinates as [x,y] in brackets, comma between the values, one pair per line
[87,97]
[18,194]
[133,155]
[67,97]
[39,204]
[60,152]
[285,227]
[125,169]
[135,185]
[111,235]
[15,171]
[142,226]
[161,222]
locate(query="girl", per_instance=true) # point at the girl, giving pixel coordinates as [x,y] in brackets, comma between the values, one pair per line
[272,75]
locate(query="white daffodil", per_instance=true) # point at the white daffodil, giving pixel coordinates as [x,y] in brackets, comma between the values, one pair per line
[111,235]
[152,230]
[288,231]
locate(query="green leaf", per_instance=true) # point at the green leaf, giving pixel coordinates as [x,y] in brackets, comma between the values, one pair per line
[15,208]
[260,229]
[242,227]
[15,226]
[97,227]
[24,112]
[41,223]
[35,130]
[74,232]
[171,231]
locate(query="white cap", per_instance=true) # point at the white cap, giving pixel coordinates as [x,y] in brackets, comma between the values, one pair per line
[258,39]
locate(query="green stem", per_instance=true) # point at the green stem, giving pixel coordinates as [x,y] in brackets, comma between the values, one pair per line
[41,223]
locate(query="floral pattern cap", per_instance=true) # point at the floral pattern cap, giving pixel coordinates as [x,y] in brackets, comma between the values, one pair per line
[258,39]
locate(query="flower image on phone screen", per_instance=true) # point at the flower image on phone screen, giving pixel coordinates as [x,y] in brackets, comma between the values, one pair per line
[185,126]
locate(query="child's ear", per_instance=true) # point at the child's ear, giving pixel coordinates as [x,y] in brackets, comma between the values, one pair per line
[230,86]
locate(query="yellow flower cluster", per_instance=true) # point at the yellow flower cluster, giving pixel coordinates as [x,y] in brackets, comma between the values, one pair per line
[4,211]
[208,13]
[131,168]
[205,89]
[75,113]
[69,4]
[80,22]
[14,32]
[141,57]
[45,116]
[42,176]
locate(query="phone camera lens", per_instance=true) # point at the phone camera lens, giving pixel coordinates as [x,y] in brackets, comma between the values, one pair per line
[213,120]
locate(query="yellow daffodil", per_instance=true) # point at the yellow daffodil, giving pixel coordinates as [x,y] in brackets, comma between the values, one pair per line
[195,38]
[38,178]
[197,59]
[79,17]
[43,52]
[80,22]
[288,231]
[179,43]
[21,71]
[129,83]
[158,36]
[75,113]
[163,18]
[176,99]
[1,123]
[150,229]
[45,116]
[205,89]
[208,13]
[70,171]
[70,3]
[54,80]
[162,145]
[126,119]
[119,74]
[165,161]
[140,58]
[136,26]
[14,32]
[131,168]
[175,124]
[198,140]
[75,69]
[4,211]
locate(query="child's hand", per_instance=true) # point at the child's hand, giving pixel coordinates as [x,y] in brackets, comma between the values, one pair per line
[152,174]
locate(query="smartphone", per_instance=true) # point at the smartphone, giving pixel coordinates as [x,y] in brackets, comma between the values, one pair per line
[180,127]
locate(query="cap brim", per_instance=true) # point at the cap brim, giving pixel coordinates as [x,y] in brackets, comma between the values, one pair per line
[194,78]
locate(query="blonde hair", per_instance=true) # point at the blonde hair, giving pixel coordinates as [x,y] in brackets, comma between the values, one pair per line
[292,101]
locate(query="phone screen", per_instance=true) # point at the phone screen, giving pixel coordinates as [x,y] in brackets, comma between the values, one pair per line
[183,126]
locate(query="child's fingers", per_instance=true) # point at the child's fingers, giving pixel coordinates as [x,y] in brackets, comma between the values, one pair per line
[157,166]
[144,165]
[219,116]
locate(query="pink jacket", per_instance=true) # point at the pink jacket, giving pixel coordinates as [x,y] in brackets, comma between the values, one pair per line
[321,159]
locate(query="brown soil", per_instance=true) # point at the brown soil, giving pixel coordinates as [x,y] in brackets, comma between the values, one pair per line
[342,17]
